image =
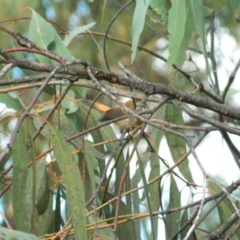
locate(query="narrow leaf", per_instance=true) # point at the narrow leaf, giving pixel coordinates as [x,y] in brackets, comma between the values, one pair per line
[184,221]
[197,10]
[42,188]
[176,144]
[45,221]
[172,219]
[154,187]
[77,31]
[72,181]
[104,231]
[138,24]
[20,173]
[180,29]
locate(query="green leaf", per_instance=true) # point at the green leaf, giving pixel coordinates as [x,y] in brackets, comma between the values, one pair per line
[234,4]
[184,220]
[104,231]
[68,129]
[90,179]
[19,183]
[72,181]
[207,11]
[42,188]
[11,102]
[38,198]
[154,187]
[197,10]
[128,230]
[172,220]
[45,220]
[80,92]
[9,234]
[180,29]
[44,35]
[159,6]
[138,24]
[69,105]
[224,209]
[136,201]
[77,31]
[176,144]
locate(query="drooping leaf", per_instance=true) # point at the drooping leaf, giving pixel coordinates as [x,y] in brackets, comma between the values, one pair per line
[72,181]
[19,183]
[153,159]
[176,144]
[154,188]
[138,24]
[136,201]
[197,10]
[184,221]
[45,221]
[180,29]
[172,220]
[42,189]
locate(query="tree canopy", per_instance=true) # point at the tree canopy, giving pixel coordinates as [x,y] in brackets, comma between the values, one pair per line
[106,108]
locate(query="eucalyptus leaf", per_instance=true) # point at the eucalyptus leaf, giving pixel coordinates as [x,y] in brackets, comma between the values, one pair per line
[176,144]
[44,35]
[138,24]
[72,179]
[180,29]
[77,31]
[9,234]
[173,218]
[19,182]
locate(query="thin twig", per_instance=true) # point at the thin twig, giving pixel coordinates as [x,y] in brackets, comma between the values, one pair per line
[106,33]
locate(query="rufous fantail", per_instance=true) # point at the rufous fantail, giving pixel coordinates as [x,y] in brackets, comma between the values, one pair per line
[116,112]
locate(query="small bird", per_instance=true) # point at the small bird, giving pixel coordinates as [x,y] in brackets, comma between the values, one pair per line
[116,112]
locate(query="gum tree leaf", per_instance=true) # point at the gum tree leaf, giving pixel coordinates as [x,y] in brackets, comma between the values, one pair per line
[19,182]
[44,35]
[77,31]
[180,29]
[138,24]
[72,181]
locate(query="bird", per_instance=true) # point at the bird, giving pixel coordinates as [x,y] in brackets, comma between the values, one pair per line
[109,113]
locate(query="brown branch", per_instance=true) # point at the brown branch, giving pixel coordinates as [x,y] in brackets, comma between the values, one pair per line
[136,83]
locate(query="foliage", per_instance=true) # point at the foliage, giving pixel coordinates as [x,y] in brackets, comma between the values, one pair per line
[67,174]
